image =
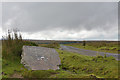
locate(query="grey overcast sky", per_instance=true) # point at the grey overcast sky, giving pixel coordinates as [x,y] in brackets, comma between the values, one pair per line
[62,20]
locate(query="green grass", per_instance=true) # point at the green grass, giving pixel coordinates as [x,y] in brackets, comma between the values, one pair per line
[73,66]
[102,48]
[11,67]
[12,57]
[81,64]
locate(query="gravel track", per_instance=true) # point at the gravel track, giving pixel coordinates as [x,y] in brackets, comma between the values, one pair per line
[88,52]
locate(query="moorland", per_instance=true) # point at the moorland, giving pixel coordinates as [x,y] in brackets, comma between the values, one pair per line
[73,65]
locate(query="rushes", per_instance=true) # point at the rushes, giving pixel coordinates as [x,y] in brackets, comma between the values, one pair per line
[12,45]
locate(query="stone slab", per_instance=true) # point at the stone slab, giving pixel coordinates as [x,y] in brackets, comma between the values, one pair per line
[40,58]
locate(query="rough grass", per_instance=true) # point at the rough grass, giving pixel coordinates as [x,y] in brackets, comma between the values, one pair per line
[79,66]
[12,57]
[103,67]
[73,65]
[11,54]
[11,67]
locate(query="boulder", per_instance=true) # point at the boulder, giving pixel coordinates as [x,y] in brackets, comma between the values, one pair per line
[40,58]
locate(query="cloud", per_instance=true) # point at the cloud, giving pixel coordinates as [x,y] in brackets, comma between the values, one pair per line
[93,20]
[71,35]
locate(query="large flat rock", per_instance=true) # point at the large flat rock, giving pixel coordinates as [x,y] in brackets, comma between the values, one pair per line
[40,58]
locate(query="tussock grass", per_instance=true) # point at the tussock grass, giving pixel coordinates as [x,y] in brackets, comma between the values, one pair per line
[12,45]
[103,67]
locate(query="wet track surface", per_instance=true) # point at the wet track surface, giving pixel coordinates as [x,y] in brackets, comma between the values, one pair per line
[88,52]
